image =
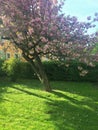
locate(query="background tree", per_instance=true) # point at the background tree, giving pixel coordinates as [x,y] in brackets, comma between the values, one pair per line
[39,28]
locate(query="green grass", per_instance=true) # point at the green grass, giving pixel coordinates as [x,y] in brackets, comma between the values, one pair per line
[71,106]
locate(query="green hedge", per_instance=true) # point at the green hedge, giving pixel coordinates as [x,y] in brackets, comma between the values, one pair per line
[54,70]
[14,69]
[2,73]
[57,71]
[26,71]
[11,68]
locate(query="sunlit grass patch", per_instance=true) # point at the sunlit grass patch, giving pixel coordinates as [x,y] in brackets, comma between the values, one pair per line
[70,106]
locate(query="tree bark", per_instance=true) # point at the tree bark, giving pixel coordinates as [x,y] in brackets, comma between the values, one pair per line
[43,75]
[40,72]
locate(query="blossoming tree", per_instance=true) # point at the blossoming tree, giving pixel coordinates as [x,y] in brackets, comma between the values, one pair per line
[39,28]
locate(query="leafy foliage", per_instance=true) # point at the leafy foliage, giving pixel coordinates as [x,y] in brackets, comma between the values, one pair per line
[11,68]
[74,71]
[2,74]
[26,71]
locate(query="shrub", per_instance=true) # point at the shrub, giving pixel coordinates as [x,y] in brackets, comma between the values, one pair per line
[26,71]
[54,70]
[2,73]
[57,71]
[11,68]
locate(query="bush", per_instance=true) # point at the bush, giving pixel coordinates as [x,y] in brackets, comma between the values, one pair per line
[2,73]
[57,71]
[11,68]
[54,70]
[26,71]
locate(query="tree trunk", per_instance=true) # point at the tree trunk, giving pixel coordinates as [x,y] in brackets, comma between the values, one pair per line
[44,79]
[39,70]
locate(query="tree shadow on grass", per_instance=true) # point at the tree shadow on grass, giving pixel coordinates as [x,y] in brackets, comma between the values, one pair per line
[3,89]
[22,86]
[30,93]
[74,110]
[6,83]
[85,89]
[32,84]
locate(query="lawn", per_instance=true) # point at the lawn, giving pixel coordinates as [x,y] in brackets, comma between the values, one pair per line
[70,106]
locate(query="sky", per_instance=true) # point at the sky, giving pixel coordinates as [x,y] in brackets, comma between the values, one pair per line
[82,9]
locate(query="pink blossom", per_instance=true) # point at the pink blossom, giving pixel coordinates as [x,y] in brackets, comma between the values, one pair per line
[43,39]
[30,31]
